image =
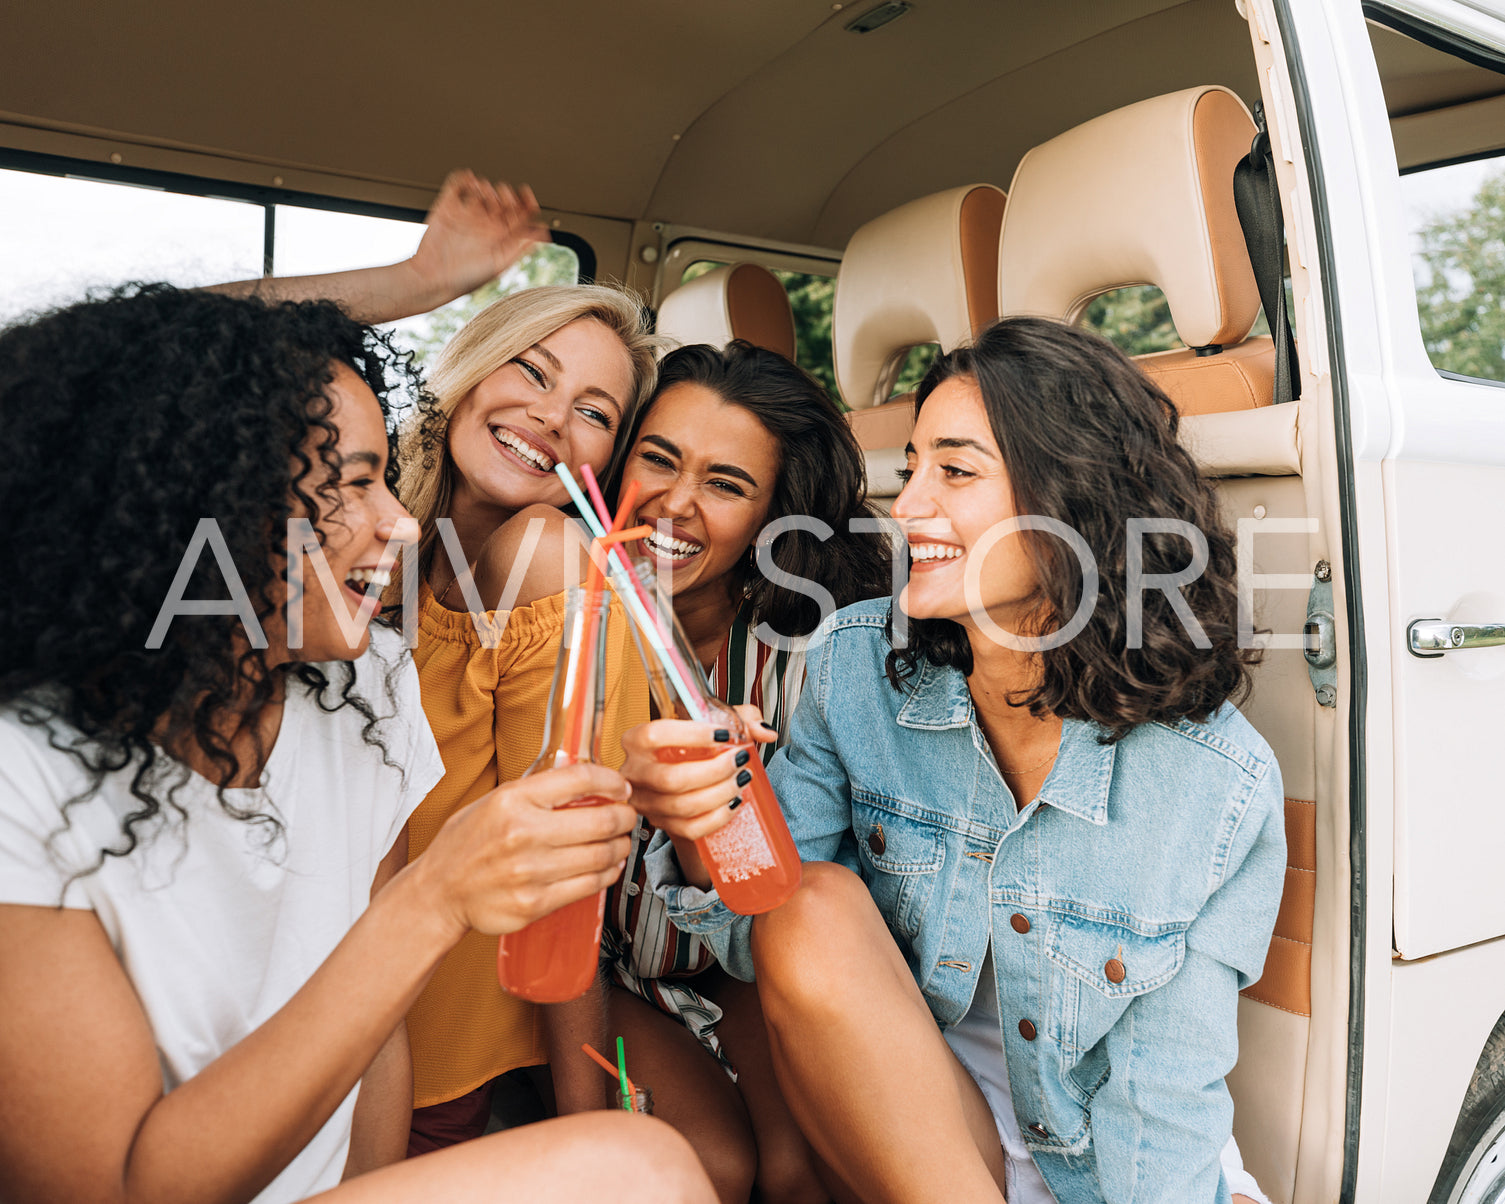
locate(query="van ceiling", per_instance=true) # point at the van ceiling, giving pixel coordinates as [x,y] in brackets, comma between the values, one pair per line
[788,126]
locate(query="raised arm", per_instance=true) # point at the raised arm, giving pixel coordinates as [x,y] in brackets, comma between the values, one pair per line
[476,231]
[72,1019]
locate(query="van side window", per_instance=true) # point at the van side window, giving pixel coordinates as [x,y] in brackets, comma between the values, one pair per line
[1135,319]
[64,235]
[1456,218]
[1447,118]
[812,299]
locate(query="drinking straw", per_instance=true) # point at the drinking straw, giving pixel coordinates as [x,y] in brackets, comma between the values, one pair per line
[605,1065]
[631,591]
[599,501]
[594,643]
[629,1096]
[593,487]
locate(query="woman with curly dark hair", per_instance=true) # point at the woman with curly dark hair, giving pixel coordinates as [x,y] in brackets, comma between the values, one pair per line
[203,804]
[756,489]
[1046,851]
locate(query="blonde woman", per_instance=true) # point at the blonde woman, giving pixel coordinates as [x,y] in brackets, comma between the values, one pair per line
[546,376]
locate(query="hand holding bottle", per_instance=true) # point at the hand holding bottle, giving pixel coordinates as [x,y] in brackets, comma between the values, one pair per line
[520,852]
[688,797]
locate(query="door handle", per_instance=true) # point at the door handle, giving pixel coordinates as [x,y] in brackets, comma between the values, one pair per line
[1432,637]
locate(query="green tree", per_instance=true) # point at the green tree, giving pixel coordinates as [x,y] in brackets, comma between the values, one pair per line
[1135,319]
[1460,285]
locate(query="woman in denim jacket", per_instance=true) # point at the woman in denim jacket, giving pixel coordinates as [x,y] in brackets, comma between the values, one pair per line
[1048,851]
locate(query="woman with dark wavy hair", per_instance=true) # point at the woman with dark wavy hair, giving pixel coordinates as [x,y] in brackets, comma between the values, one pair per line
[1045,850]
[205,901]
[735,444]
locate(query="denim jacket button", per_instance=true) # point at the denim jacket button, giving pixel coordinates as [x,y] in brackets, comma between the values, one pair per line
[1114,970]
[1026,1030]
[1019,923]
[1039,1131]
[875,840]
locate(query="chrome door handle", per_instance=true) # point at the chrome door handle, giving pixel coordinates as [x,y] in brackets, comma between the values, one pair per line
[1433,637]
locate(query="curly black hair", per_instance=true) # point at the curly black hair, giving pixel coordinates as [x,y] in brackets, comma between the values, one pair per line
[1090,441]
[821,475]
[129,417]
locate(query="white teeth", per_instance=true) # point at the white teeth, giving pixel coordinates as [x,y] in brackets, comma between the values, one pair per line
[524,449]
[667,545]
[368,577]
[934,551]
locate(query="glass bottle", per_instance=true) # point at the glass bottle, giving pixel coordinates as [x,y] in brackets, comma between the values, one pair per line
[753,862]
[553,959]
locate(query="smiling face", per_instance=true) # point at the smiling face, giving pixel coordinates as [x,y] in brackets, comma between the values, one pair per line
[561,400]
[356,527]
[956,491]
[708,468]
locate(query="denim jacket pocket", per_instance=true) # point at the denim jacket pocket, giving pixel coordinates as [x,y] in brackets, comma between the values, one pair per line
[900,857]
[1099,969]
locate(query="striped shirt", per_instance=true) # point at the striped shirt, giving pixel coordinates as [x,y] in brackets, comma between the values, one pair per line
[646,953]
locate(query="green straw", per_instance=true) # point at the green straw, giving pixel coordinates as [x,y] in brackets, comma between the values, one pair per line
[628,1103]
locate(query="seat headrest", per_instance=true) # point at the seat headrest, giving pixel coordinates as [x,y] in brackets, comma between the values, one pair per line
[925,273]
[737,301]
[1142,195]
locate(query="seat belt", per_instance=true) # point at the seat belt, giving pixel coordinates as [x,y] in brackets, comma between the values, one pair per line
[1256,196]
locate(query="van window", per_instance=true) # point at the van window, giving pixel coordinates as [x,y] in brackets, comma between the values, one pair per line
[812,298]
[917,361]
[1136,319]
[1456,218]
[1447,120]
[65,235]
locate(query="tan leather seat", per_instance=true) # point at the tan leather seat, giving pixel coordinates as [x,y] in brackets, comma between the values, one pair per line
[924,273]
[1144,195]
[736,301]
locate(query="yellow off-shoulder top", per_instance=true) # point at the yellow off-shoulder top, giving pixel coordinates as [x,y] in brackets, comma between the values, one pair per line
[487,708]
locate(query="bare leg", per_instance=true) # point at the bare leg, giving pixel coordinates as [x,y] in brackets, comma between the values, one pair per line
[864,1069]
[690,1092]
[786,1164]
[593,1156]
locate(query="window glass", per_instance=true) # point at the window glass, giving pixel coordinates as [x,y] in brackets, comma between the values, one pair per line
[811,298]
[63,236]
[310,241]
[1456,217]
[917,362]
[1136,319]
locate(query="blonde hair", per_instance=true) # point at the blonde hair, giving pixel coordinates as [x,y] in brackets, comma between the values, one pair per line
[497,334]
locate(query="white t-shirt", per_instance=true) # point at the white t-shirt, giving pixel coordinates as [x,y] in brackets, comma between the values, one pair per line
[977,1042]
[216,924]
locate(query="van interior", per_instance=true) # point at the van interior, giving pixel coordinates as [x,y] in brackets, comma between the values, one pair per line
[946,161]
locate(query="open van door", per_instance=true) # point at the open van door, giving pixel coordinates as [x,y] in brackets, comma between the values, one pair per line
[1414,86]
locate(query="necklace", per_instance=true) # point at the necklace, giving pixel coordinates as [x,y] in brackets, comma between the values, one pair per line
[1030,768]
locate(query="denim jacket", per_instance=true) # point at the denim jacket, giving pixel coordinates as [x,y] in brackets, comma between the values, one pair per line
[1127,904]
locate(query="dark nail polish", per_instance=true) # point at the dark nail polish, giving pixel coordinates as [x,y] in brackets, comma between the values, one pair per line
[769,726]
[743,757]
[734,804]
[721,735]
[744,777]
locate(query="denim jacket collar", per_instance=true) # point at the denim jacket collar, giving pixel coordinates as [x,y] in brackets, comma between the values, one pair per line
[1078,782]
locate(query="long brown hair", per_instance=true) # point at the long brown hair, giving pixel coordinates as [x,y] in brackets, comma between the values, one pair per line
[1088,440]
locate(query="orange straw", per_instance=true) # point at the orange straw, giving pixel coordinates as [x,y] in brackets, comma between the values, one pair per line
[594,586]
[607,1066]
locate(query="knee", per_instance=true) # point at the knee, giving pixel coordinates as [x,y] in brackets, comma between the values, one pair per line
[801,949]
[657,1163]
